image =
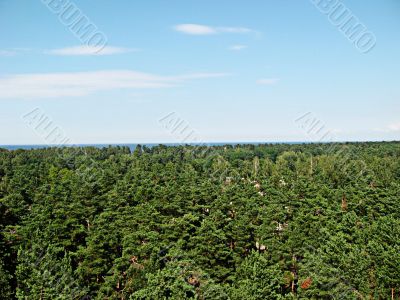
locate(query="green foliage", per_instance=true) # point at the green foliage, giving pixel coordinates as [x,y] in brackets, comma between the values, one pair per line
[5,278]
[258,278]
[311,221]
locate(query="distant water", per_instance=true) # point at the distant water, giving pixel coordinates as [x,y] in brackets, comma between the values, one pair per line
[133,146]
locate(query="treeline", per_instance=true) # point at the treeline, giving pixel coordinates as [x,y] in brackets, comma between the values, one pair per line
[309,221]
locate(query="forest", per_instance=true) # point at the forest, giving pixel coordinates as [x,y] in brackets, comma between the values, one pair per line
[269,221]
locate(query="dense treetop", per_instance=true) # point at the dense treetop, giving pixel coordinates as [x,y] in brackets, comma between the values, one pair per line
[307,221]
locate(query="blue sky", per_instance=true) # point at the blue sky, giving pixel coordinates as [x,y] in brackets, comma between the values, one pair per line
[229,70]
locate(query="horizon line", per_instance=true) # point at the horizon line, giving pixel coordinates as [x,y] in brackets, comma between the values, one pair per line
[200,143]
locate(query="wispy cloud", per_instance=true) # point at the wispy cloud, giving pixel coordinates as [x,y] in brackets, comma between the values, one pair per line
[198,29]
[237,47]
[53,85]
[195,29]
[7,52]
[15,51]
[200,76]
[394,127]
[268,81]
[89,50]
[234,30]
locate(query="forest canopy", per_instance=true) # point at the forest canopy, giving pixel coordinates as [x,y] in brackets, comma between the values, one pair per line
[273,221]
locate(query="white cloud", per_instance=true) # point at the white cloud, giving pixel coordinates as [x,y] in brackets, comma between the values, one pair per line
[234,30]
[54,85]
[15,51]
[200,76]
[237,47]
[89,50]
[198,29]
[7,52]
[394,127]
[391,128]
[268,81]
[195,29]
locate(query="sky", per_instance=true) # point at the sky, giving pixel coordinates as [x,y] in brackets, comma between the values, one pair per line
[198,71]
